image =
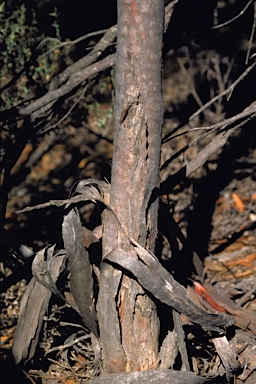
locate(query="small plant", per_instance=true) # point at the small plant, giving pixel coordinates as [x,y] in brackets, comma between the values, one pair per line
[19,36]
[15,49]
[55,23]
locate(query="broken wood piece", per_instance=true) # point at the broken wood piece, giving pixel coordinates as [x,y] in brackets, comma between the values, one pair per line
[164,376]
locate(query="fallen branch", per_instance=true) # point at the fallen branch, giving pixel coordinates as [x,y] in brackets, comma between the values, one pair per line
[165,376]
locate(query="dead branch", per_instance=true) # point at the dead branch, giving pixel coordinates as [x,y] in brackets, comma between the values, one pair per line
[56,203]
[74,81]
[168,13]
[187,74]
[234,18]
[62,44]
[165,376]
[218,142]
[81,95]
[227,91]
[249,111]
[251,36]
[87,60]
[74,75]
[68,344]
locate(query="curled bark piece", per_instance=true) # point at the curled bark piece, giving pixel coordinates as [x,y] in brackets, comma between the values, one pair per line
[81,281]
[227,355]
[155,279]
[34,304]
[42,269]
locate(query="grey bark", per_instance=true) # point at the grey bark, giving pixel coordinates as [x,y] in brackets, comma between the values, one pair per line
[134,186]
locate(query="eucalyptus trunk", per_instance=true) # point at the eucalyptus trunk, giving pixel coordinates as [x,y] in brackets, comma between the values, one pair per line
[128,321]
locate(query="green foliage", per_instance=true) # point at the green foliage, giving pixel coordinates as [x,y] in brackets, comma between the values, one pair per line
[16,36]
[49,63]
[55,23]
[103,116]
[14,41]
[19,37]
[34,58]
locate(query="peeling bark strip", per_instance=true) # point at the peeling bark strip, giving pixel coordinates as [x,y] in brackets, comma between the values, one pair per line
[34,304]
[41,269]
[81,282]
[155,279]
[134,186]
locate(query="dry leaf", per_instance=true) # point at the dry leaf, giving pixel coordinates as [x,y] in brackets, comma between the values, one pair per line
[238,202]
[202,292]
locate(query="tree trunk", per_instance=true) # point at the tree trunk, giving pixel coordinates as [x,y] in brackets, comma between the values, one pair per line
[128,320]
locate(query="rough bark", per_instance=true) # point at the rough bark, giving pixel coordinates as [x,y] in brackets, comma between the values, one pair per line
[128,321]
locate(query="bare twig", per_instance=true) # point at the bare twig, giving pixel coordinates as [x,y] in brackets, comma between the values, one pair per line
[251,36]
[62,44]
[249,111]
[38,152]
[74,81]
[234,18]
[75,74]
[247,295]
[226,75]
[56,203]
[168,13]
[187,73]
[87,60]
[229,91]
[67,324]
[69,344]
[220,139]
[218,142]
[68,112]
[29,377]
